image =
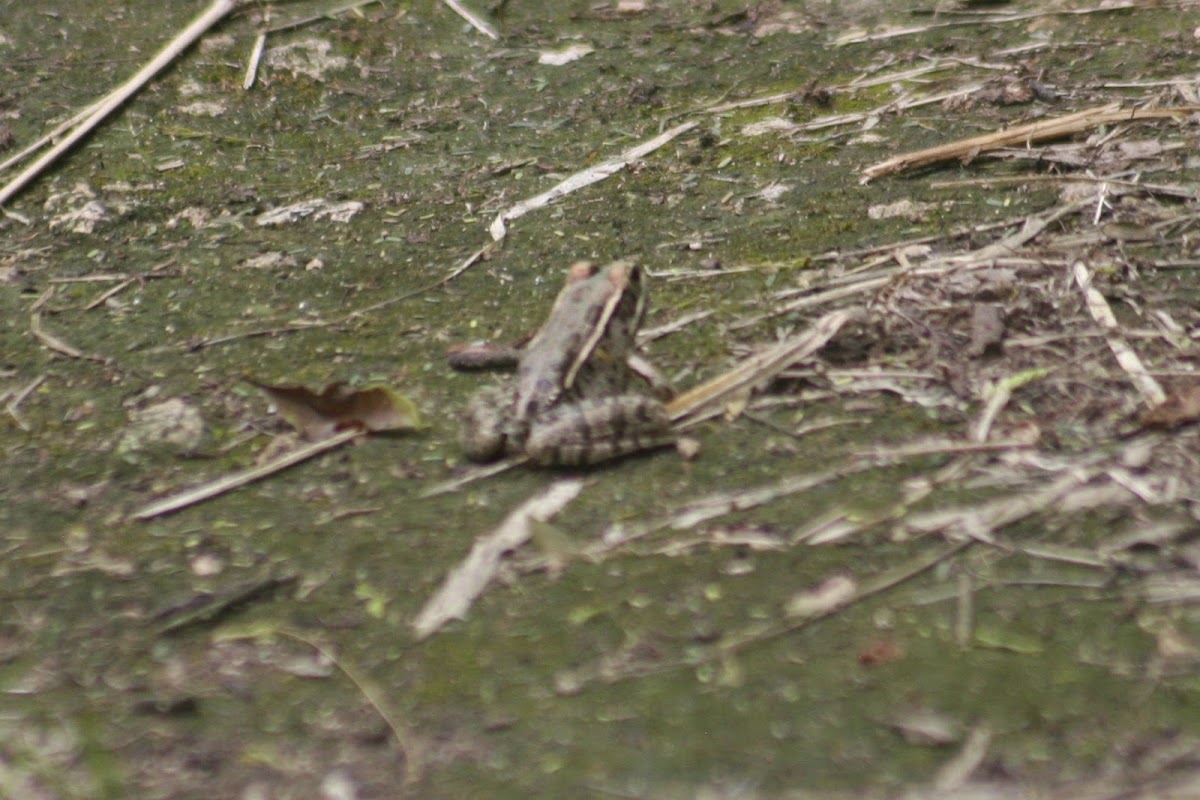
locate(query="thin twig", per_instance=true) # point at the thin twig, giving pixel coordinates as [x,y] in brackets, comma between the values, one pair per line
[256,53]
[868,589]
[1130,187]
[468,262]
[14,403]
[414,761]
[849,285]
[207,491]
[53,135]
[711,506]
[1000,395]
[57,344]
[207,608]
[330,14]
[153,272]
[989,19]
[902,103]
[474,474]
[112,101]
[761,366]
[473,19]
[583,179]
[817,299]
[933,447]
[889,247]
[1019,136]
[1097,306]
[107,293]
[626,666]
[193,346]
[667,328]
[952,776]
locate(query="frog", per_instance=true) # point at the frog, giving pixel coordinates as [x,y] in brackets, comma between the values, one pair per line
[574,400]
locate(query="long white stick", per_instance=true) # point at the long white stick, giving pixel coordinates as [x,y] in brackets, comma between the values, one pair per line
[211,16]
[63,127]
[472,18]
[467,581]
[207,491]
[579,180]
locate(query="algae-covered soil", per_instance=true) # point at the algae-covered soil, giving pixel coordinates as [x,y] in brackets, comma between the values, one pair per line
[952,552]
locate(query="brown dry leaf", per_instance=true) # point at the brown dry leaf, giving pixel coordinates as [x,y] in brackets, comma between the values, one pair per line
[1181,407]
[317,416]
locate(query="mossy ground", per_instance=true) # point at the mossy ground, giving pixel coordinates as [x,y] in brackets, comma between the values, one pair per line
[99,701]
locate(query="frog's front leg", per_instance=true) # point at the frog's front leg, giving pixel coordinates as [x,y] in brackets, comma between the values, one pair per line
[486,425]
[594,430]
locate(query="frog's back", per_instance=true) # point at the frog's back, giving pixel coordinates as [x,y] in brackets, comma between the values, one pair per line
[542,373]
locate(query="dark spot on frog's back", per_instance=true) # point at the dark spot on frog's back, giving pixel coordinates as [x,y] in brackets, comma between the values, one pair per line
[545,388]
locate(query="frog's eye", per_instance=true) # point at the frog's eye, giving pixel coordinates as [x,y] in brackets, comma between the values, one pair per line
[622,274]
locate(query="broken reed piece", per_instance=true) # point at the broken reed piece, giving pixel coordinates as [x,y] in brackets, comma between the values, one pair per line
[1042,130]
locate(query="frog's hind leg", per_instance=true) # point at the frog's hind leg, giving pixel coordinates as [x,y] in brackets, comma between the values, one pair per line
[596,430]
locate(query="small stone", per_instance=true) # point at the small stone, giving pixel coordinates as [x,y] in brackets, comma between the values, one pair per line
[173,423]
[687,447]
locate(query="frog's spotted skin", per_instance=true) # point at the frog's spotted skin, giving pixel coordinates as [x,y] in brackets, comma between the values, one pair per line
[571,402]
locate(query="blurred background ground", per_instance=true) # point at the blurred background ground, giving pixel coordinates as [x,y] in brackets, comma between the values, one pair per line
[900,584]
